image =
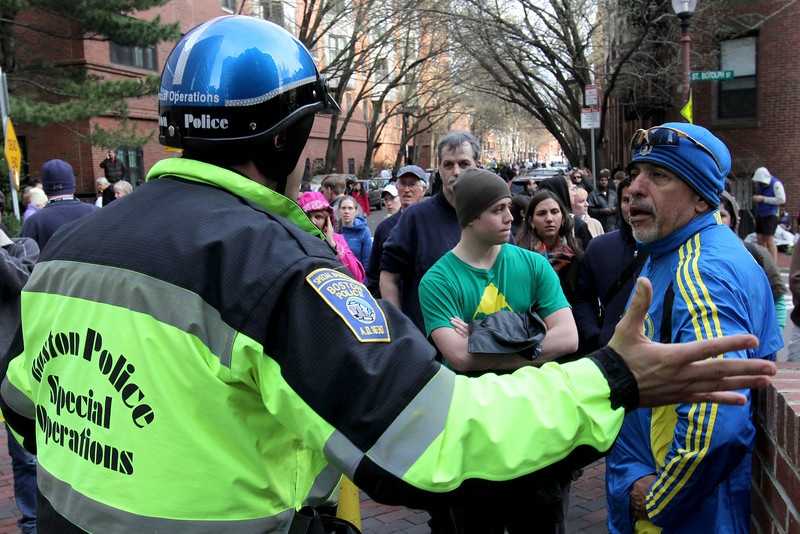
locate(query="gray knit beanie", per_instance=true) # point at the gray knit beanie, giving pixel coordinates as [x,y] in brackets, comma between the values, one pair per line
[476,191]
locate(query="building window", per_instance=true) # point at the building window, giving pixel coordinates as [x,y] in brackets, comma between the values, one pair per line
[381,68]
[133,158]
[336,43]
[134,56]
[738,98]
[351,165]
[230,5]
[271,10]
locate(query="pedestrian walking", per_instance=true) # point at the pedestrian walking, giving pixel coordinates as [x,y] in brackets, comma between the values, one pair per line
[768,196]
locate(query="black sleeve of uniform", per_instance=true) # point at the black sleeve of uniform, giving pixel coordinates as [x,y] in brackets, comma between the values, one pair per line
[358,387]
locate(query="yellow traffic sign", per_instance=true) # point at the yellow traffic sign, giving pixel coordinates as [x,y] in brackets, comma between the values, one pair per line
[13,153]
[687,111]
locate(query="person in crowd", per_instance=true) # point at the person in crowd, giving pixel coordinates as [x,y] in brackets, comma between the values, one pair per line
[229,287]
[619,176]
[408,190]
[113,168]
[768,196]
[686,468]
[606,274]
[17,258]
[519,205]
[58,181]
[531,187]
[122,188]
[580,178]
[314,204]
[482,275]
[334,187]
[34,200]
[105,192]
[357,189]
[729,213]
[547,229]
[565,189]
[793,325]
[603,202]
[427,230]
[390,198]
[580,210]
[355,230]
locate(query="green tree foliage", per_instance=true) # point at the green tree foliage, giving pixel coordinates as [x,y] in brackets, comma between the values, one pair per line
[44,92]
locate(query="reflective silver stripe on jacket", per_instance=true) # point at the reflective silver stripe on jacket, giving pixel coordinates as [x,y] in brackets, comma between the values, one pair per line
[165,302]
[16,400]
[94,516]
[409,435]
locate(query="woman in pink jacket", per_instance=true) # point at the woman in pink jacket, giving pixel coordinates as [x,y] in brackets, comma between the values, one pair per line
[320,212]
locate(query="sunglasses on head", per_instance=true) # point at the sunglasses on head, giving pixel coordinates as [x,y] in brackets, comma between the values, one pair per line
[643,141]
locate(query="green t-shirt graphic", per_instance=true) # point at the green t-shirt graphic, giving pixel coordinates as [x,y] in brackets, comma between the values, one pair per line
[518,280]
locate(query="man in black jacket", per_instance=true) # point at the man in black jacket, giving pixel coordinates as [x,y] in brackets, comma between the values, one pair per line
[603,202]
[113,167]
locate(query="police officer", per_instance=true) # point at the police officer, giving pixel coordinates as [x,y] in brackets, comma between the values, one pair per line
[217,370]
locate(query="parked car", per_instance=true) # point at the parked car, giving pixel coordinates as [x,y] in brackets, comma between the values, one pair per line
[375,189]
[518,184]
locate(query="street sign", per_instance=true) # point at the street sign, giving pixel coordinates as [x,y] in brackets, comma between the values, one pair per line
[590,96]
[712,75]
[13,153]
[590,118]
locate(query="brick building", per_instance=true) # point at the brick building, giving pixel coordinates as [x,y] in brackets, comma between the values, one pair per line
[109,60]
[756,112]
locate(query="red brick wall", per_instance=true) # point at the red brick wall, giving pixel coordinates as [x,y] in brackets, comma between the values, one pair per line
[770,141]
[776,462]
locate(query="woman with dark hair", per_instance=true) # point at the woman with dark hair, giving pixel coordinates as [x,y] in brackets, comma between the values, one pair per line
[547,229]
[564,190]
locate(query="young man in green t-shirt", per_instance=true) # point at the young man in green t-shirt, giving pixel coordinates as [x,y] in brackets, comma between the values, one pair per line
[484,274]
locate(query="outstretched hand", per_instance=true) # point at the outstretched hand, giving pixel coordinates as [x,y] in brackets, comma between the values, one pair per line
[685,372]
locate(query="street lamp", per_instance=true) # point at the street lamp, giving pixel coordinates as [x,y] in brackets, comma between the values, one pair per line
[685,9]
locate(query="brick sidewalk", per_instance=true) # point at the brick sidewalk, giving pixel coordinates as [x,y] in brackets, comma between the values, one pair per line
[587,512]
[587,509]
[8,509]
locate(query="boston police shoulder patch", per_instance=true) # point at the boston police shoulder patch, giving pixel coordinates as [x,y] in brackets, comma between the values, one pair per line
[353,303]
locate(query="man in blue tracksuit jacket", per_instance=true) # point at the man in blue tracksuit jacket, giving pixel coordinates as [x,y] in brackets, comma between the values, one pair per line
[686,468]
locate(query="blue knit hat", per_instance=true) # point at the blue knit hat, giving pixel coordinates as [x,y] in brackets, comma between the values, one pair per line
[691,163]
[57,178]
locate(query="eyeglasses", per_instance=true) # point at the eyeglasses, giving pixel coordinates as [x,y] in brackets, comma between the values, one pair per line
[643,141]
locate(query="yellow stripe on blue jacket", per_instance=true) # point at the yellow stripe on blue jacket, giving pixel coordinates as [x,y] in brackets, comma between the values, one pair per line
[700,453]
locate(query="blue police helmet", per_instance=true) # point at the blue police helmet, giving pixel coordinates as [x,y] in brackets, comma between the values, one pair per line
[237,80]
